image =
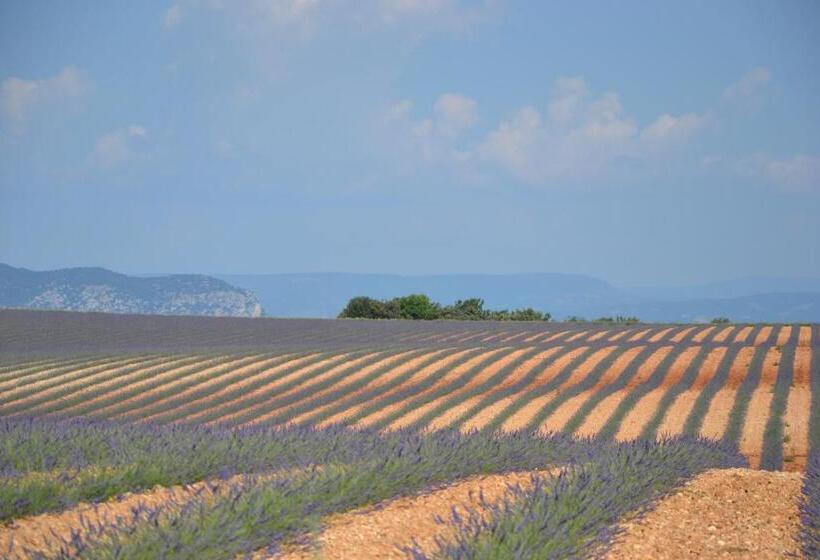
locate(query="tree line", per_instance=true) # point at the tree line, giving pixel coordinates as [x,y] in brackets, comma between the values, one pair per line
[421,307]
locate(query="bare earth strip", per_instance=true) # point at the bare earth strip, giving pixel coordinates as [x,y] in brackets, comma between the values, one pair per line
[521,418]
[240,382]
[751,440]
[783,336]
[620,335]
[645,408]
[599,415]
[804,338]
[659,335]
[723,334]
[455,412]
[380,532]
[419,376]
[386,377]
[675,417]
[488,413]
[245,396]
[701,334]
[598,336]
[441,382]
[237,373]
[479,378]
[798,409]
[763,336]
[729,513]
[743,334]
[639,335]
[681,335]
[558,419]
[324,376]
[716,418]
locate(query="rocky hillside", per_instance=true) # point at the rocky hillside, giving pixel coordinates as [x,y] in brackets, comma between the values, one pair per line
[98,289]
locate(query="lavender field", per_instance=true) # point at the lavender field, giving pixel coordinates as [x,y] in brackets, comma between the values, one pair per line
[183,437]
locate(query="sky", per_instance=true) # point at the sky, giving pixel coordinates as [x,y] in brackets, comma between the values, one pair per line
[642,143]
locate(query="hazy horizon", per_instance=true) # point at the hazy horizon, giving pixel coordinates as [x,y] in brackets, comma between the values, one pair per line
[642,144]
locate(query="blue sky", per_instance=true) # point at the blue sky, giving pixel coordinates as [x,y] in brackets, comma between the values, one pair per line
[639,142]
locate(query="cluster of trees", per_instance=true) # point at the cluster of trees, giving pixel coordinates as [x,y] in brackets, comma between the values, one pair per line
[419,306]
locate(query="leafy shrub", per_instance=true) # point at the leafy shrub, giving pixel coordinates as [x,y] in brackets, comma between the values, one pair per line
[421,307]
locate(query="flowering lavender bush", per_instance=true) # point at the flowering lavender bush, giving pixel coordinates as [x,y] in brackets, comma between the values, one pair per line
[574,514]
[810,508]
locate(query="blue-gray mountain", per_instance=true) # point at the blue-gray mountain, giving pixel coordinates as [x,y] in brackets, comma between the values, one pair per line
[98,289]
[785,300]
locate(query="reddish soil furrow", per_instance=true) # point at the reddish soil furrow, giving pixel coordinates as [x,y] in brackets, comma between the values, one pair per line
[804,338]
[315,380]
[743,334]
[598,335]
[385,377]
[418,377]
[514,338]
[479,378]
[660,334]
[486,414]
[291,377]
[379,532]
[474,336]
[683,334]
[348,380]
[763,336]
[496,337]
[603,411]
[171,383]
[576,336]
[751,440]
[240,381]
[716,418]
[728,513]
[678,412]
[455,412]
[798,410]
[701,334]
[70,379]
[443,381]
[646,407]
[558,419]
[533,337]
[723,334]
[24,380]
[783,336]
[94,387]
[620,335]
[639,335]
[520,418]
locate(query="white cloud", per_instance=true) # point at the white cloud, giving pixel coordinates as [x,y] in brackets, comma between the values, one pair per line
[800,171]
[119,146]
[19,98]
[578,135]
[669,128]
[750,84]
[172,17]
[455,113]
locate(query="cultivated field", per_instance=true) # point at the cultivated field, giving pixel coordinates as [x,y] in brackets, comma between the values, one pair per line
[282,428]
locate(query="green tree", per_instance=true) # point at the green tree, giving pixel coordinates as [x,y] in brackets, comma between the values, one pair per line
[418,306]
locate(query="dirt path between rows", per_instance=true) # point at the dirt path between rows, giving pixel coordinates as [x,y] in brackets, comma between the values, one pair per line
[678,412]
[731,513]
[645,408]
[757,415]
[717,416]
[798,410]
[556,421]
[599,415]
[378,532]
[520,418]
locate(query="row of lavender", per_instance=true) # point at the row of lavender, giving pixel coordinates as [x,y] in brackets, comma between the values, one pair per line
[565,517]
[25,333]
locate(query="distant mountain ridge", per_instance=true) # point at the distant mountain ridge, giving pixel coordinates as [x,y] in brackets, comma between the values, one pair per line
[786,300]
[99,289]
